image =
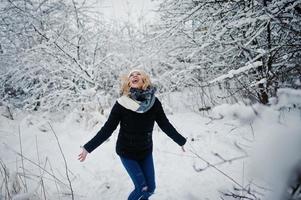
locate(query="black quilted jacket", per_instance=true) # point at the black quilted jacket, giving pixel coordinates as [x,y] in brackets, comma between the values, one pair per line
[135,134]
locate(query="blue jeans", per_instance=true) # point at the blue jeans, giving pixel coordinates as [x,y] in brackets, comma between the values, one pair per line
[142,174]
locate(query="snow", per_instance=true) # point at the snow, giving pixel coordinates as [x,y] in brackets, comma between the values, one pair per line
[243,113]
[260,135]
[53,60]
[289,97]
[22,196]
[276,156]
[261,81]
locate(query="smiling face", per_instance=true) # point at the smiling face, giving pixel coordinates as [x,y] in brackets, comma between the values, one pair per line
[136,80]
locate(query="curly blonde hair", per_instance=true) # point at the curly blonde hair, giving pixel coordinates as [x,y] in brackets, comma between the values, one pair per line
[125,82]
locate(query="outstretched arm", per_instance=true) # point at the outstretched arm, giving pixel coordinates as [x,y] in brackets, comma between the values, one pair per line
[105,132]
[167,127]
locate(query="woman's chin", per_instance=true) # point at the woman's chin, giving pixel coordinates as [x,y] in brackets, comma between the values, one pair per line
[136,86]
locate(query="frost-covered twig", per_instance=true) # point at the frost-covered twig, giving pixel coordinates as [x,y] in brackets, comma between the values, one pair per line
[232,73]
[252,131]
[88,78]
[237,196]
[65,161]
[214,167]
[4,172]
[169,31]
[34,163]
[56,186]
[41,174]
[22,160]
[246,193]
[219,163]
[212,119]
[10,115]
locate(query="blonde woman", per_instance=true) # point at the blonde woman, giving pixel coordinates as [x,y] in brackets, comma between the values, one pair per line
[136,110]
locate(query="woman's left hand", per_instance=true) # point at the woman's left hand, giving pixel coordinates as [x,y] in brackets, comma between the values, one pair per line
[183,149]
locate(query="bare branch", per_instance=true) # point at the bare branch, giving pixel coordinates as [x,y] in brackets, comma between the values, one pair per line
[22,160]
[65,161]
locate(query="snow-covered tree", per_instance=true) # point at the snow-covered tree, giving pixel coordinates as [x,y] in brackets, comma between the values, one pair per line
[246,47]
[56,53]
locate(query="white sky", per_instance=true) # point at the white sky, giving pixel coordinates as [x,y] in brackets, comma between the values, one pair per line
[123,10]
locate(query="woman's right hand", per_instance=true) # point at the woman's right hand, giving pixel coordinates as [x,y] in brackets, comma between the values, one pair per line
[82,156]
[183,149]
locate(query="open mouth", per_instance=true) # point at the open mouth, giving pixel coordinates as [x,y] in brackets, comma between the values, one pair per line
[135,81]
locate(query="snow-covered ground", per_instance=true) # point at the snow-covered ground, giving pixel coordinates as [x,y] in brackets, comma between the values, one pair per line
[264,142]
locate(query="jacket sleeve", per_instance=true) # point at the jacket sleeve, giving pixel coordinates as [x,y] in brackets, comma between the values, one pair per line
[167,127]
[107,129]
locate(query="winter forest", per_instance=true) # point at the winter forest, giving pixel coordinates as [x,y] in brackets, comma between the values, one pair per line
[227,72]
